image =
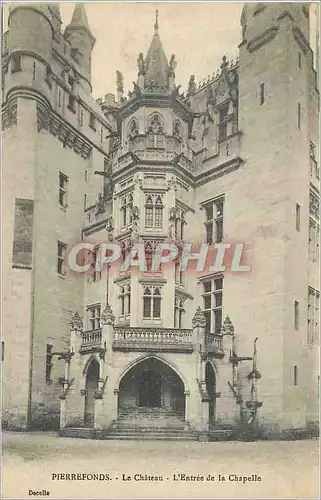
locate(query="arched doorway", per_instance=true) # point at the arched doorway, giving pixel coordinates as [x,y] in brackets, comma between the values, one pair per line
[92,377]
[211,391]
[151,386]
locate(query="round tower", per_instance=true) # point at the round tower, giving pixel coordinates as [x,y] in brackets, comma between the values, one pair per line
[31,29]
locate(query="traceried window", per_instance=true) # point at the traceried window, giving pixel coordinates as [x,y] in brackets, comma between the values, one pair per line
[179,312]
[63,189]
[124,300]
[223,121]
[313,315]
[212,304]
[126,210]
[156,125]
[133,129]
[155,131]
[48,363]
[154,210]
[93,317]
[214,221]
[62,249]
[152,302]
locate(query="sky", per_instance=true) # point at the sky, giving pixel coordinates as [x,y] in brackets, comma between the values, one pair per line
[199,34]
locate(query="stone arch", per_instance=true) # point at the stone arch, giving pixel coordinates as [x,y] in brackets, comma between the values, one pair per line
[211,382]
[92,374]
[88,363]
[151,386]
[155,123]
[144,357]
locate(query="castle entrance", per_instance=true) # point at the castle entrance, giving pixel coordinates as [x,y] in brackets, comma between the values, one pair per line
[151,390]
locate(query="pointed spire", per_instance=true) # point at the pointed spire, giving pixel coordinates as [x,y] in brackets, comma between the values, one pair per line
[156,64]
[79,20]
[79,16]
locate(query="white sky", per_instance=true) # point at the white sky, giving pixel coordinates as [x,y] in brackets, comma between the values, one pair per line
[199,34]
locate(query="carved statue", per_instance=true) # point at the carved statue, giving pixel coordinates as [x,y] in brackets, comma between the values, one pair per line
[173,213]
[110,228]
[134,232]
[135,213]
[172,64]
[172,232]
[100,204]
[141,64]
[191,85]
[137,89]
[119,82]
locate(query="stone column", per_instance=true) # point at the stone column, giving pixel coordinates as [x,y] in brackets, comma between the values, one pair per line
[198,339]
[227,405]
[103,403]
[69,403]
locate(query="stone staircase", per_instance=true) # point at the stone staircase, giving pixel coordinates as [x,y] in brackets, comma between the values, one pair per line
[149,424]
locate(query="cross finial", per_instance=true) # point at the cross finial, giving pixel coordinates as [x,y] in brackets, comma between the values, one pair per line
[156,21]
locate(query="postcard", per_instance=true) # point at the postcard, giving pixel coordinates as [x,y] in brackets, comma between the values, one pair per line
[161,248]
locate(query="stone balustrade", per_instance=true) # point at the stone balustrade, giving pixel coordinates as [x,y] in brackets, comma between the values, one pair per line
[91,338]
[168,339]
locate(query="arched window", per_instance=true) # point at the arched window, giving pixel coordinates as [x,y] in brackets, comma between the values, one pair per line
[155,124]
[179,311]
[125,300]
[133,129]
[154,210]
[152,302]
[126,210]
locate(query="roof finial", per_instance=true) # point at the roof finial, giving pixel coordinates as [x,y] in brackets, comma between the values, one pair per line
[156,21]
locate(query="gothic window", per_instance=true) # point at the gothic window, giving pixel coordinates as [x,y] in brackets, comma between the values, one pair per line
[180,222]
[95,273]
[179,311]
[126,207]
[212,304]
[125,300]
[313,315]
[133,129]
[223,121]
[15,63]
[63,188]
[156,125]
[149,256]
[93,315]
[62,249]
[154,210]
[125,250]
[214,221]
[151,302]
[177,130]
[314,233]
[262,94]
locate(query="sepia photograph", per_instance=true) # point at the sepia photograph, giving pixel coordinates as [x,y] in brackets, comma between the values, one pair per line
[160,206]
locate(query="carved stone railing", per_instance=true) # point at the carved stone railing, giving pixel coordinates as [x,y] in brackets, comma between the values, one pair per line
[152,148]
[214,344]
[98,212]
[140,339]
[91,338]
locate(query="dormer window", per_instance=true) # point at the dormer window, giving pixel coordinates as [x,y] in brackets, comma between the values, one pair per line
[155,125]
